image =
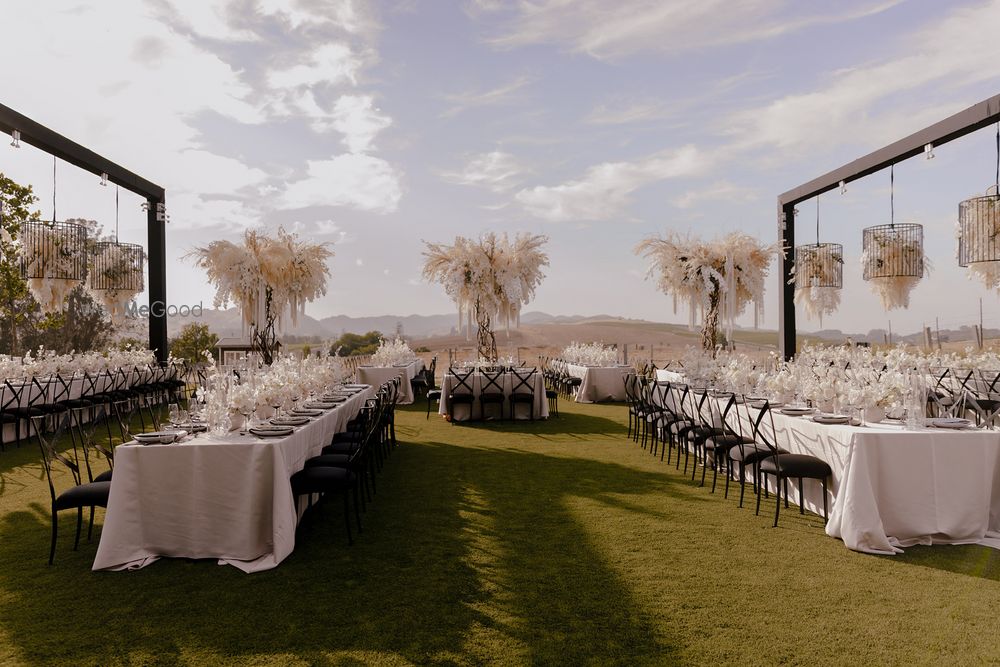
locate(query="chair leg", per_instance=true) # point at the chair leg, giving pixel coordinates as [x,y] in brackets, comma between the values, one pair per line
[785,483]
[90,526]
[55,533]
[826,514]
[777,499]
[79,526]
[801,499]
[761,478]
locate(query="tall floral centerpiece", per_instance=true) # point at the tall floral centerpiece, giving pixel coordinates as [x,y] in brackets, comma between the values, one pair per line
[718,278]
[269,278]
[489,279]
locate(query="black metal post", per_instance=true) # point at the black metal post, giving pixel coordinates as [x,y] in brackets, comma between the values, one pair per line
[157,266]
[786,291]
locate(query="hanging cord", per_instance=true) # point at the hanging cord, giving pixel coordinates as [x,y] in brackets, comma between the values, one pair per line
[116,214]
[53,189]
[997,181]
[817,221]
[892,195]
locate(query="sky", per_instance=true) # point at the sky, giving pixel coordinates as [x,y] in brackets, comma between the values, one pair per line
[377,126]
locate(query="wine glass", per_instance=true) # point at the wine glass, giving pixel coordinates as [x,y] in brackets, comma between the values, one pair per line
[246,418]
[174,414]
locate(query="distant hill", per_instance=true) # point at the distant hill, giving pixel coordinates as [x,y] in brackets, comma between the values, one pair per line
[227,323]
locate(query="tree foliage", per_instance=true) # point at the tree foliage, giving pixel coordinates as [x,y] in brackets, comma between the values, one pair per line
[83,324]
[192,342]
[351,344]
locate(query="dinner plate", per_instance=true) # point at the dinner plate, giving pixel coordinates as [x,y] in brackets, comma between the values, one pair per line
[949,422]
[272,431]
[306,412]
[321,405]
[797,412]
[193,427]
[159,437]
[290,421]
[333,399]
[831,419]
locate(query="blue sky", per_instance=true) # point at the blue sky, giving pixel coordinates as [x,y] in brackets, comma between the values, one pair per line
[378,125]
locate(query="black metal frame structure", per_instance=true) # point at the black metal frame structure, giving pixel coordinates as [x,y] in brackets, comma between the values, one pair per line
[73,153]
[965,122]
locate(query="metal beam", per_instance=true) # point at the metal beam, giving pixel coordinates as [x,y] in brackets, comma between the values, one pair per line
[954,127]
[786,290]
[69,151]
[965,122]
[157,268]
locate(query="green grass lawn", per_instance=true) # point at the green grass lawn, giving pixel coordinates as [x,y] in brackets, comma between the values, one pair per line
[556,542]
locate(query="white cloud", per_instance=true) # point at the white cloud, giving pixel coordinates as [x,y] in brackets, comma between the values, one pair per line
[849,105]
[720,190]
[504,94]
[612,29]
[349,15]
[332,64]
[359,120]
[496,170]
[622,114]
[604,190]
[353,180]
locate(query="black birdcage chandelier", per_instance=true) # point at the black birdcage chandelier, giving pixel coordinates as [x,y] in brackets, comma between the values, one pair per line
[979,231]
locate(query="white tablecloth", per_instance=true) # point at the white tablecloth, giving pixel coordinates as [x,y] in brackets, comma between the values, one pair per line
[894,488]
[462,412]
[600,383]
[377,375]
[226,497]
[663,375]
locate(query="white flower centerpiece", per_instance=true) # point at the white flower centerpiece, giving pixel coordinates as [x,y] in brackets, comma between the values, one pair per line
[717,278]
[817,269]
[590,354]
[269,278]
[489,279]
[891,247]
[395,352]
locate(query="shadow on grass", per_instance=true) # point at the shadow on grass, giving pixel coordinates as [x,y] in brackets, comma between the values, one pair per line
[469,555]
[972,560]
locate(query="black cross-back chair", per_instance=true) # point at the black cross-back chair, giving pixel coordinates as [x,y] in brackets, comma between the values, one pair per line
[655,412]
[461,392]
[80,495]
[632,402]
[784,466]
[675,398]
[325,479]
[522,390]
[726,433]
[8,400]
[668,419]
[692,402]
[750,453]
[28,402]
[492,390]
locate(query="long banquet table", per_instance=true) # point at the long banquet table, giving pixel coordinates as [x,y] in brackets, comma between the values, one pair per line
[600,383]
[894,488]
[475,411]
[378,375]
[224,497]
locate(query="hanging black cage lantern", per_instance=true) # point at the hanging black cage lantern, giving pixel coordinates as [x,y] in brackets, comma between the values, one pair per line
[117,267]
[979,230]
[893,251]
[53,251]
[819,265]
